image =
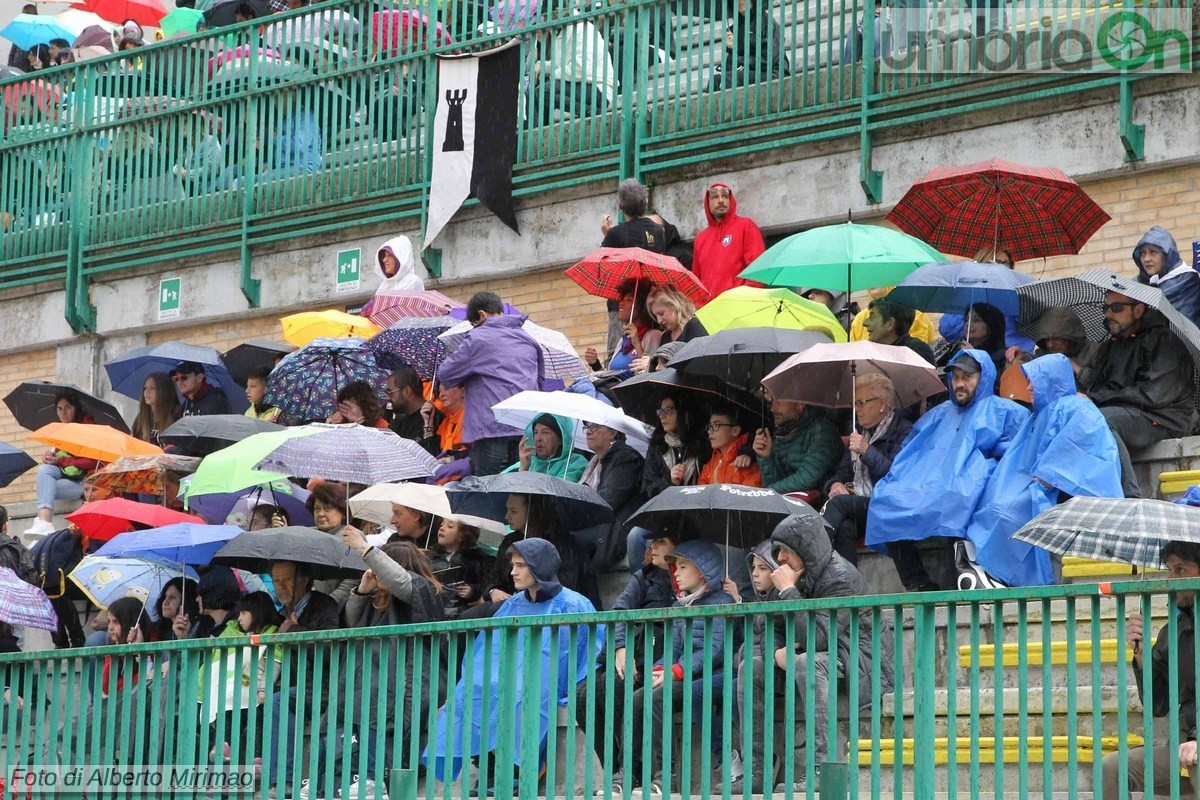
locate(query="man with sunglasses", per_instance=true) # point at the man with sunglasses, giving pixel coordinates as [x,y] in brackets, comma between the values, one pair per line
[1142,382]
[199,398]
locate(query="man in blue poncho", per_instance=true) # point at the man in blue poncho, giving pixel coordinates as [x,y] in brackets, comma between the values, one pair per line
[940,473]
[1064,449]
[534,571]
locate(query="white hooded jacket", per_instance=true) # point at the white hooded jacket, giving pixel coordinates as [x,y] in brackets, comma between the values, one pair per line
[406,278]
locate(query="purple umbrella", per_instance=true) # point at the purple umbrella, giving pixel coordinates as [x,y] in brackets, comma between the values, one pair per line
[412,342]
[22,603]
[461,313]
[94,36]
[217,507]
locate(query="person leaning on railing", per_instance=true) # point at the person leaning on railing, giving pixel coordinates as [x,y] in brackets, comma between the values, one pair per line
[1182,560]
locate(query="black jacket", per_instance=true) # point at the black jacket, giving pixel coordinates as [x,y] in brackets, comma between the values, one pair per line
[641,232]
[1150,371]
[474,565]
[694,329]
[1185,667]
[917,346]
[621,487]
[878,457]
[649,587]
[211,400]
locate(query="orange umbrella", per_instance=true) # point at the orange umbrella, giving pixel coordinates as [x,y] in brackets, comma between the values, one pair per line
[93,441]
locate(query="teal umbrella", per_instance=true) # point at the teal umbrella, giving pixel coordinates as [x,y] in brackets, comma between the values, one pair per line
[181,21]
[841,258]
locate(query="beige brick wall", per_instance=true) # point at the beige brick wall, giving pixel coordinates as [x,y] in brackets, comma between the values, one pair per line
[36,365]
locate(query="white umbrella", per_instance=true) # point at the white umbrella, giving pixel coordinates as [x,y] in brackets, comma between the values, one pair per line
[521,409]
[76,20]
[375,505]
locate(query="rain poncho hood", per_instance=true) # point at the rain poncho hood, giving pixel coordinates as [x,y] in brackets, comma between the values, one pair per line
[406,278]
[707,558]
[569,465]
[941,471]
[1066,447]
[1180,283]
[446,749]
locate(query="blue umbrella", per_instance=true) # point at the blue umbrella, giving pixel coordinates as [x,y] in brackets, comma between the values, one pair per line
[105,580]
[13,463]
[127,373]
[184,543]
[283,494]
[29,30]
[305,383]
[952,288]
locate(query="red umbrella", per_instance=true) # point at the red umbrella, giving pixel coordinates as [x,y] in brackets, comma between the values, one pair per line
[1033,212]
[396,31]
[30,101]
[606,268]
[388,308]
[147,13]
[104,519]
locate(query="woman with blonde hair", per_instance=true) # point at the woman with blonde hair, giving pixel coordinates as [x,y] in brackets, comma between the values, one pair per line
[675,313]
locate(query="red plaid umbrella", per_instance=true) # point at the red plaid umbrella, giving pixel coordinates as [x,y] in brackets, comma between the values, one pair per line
[1033,212]
[606,268]
[388,308]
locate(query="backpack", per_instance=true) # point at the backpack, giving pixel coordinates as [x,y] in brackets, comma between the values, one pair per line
[14,556]
[53,558]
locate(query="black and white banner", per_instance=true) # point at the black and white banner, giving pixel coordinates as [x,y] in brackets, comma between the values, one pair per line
[474,140]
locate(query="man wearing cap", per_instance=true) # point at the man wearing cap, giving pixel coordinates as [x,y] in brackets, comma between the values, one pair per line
[1141,381]
[941,471]
[199,399]
[1064,450]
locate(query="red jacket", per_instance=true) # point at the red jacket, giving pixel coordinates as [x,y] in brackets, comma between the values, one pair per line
[725,248]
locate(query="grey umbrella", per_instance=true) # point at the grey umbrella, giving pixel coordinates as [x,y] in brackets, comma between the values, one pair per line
[743,356]
[1126,530]
[1084,294]
[324,554]
[577,506]
[205,435]
[738,516]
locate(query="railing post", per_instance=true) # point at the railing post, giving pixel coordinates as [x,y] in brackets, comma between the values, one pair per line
[403,783]
[80,313]
[924,671]
[870,179]
[834,783]
[250,286]
[629,98]
[1133,135]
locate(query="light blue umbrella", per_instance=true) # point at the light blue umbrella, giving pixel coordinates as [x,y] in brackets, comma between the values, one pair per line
[29,30]
[183,543]
[106,580]
[127,373]
[952,288]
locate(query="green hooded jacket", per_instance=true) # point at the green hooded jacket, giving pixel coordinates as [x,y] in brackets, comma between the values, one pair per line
[569,467]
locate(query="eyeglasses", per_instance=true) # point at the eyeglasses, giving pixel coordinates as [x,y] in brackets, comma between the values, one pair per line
[181,377]
[713,427]
[665,412]
[1117,308]
[389,391]
[592,427]
[863,401]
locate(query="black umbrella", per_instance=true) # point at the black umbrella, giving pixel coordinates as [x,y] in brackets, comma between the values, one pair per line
[743,356]
[1084,294]
[13,463]
[205,435]
[33,404]
[641,395]
[736,516]
[578,507]
[223,13]
[251,355]
[323,554]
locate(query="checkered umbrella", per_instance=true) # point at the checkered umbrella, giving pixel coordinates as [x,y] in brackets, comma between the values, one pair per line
[22,603]
[1130,531]
[1084,294]
[1033,212]
[604,270]
[388,308]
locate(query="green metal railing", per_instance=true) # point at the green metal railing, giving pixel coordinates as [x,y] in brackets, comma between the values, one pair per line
[315,121]
[970,672]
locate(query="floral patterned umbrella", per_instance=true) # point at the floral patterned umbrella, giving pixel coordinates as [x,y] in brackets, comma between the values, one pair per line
[305,384]
[413,342]
[141,474]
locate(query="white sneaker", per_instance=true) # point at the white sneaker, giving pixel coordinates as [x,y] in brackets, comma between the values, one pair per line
[40,528]
[365,789]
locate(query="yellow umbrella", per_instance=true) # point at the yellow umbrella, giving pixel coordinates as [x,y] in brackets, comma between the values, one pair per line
[93,441]
[300,329]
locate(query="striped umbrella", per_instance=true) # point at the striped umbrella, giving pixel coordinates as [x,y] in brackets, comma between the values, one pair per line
[562,362]
[351,454]
[22,603]
[413,342]
[388,308]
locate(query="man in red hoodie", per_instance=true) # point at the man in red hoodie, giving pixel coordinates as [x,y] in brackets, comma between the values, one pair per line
[727,245]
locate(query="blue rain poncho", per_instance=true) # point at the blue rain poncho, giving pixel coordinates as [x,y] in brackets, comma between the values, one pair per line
[938,477]
[446,750]
[1065,448]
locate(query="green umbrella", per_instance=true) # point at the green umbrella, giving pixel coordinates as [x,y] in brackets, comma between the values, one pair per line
[232,469]
[181,21]
[841,258]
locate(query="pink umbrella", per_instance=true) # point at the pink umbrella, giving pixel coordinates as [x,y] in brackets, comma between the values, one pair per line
[399,31]
[823,375]
[387,308]
[244,51]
